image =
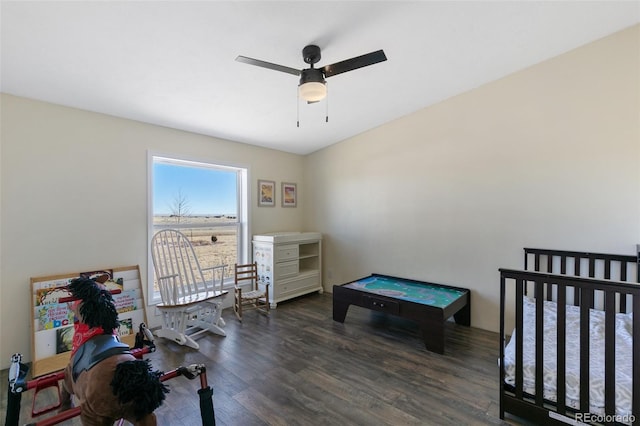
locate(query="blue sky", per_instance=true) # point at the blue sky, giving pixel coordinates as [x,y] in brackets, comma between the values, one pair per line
[206,191]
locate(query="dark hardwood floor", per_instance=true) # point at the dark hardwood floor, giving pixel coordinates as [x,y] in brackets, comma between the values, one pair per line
[299,367]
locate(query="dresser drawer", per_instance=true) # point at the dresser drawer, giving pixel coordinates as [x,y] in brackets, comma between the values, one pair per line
[288,252]
[295,287]
[286,269]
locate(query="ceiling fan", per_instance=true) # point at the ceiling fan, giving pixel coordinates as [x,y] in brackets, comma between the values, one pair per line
[312,87]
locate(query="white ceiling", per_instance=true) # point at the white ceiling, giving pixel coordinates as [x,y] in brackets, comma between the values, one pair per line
[173,63]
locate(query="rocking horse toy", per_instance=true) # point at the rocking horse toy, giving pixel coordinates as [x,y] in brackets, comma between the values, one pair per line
[108,380]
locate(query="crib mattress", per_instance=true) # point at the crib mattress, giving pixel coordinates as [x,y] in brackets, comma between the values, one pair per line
[623,362]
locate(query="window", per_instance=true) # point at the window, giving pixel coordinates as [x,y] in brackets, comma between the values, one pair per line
[206,202]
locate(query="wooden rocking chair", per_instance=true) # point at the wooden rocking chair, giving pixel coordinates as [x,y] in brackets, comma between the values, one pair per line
[256,296]
[190,304]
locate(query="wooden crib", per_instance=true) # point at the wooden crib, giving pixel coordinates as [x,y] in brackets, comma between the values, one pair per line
[574,352]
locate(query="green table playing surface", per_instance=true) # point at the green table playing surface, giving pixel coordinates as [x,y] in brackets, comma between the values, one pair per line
[427,294]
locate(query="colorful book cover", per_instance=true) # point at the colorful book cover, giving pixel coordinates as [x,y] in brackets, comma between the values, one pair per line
[45,296]
[99,276]
[64,340]
[125,301]
[112,285]
[50,291]
[53,315]
[126,327]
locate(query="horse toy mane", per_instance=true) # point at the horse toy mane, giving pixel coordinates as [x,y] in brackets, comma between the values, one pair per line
[107,381]
[97,308]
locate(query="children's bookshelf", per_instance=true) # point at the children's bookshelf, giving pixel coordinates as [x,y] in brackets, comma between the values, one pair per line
[52,322]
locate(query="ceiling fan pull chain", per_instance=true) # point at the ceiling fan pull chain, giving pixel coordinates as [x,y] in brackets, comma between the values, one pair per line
[326,118]
[298,108]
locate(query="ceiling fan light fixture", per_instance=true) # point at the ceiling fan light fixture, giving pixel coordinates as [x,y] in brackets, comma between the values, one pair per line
[312,87]
[312,91]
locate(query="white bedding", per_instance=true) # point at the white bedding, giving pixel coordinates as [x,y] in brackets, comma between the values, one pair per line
[624,342]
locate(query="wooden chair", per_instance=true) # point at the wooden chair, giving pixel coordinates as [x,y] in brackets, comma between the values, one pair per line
[191,304]
[256,296]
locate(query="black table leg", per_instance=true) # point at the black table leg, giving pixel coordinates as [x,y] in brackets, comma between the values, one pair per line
[340,310]
[463,316]
[433,336]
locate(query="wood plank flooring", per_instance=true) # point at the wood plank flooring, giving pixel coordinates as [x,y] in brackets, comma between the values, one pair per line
[299,367]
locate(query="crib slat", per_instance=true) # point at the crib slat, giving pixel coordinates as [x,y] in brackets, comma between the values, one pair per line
[585,303]
[622,307]
[561,317]
[539,287]
[548,290]
[610,353]
[623,277]
[623,303]
[636,355]
[520,283]
[503,341]
[637,266]
[592,274]
[576,290]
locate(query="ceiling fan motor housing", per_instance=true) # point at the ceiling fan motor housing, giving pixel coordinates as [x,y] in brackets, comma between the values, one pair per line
[311,75]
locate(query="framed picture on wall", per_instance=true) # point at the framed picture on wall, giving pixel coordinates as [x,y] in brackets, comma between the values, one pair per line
[266,193]
[289,194]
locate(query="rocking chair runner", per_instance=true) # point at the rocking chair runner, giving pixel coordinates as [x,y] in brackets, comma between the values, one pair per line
[190,304]
[254,297]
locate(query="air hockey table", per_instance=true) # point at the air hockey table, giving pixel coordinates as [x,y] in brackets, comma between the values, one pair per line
[428,304]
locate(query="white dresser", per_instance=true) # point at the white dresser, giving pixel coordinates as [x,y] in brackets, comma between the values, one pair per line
[291,262]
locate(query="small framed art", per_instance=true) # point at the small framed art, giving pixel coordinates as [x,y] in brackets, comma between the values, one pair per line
[266,193]
[289,194]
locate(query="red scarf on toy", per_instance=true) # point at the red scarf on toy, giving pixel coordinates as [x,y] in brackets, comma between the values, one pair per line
[82,332]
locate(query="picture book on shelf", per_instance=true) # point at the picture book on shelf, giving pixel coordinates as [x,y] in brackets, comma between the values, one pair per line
[64,340]
[126,327]
[53,315]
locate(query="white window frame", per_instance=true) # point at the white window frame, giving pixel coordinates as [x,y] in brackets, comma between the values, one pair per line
[243,226]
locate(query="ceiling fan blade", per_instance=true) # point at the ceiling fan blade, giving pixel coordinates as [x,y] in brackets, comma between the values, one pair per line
[268,65]
[354,63]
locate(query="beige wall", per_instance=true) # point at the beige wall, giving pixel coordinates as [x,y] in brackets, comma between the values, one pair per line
[74,196]
[547,157]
